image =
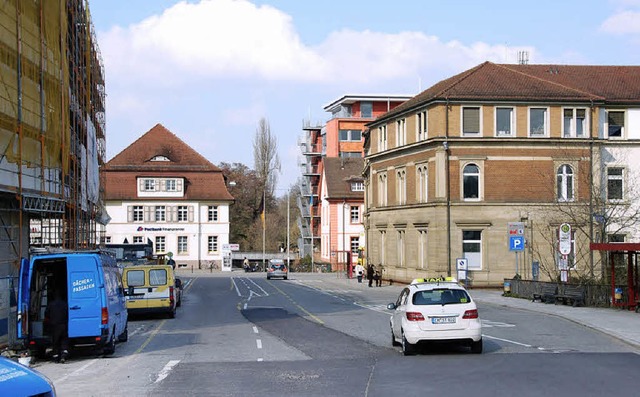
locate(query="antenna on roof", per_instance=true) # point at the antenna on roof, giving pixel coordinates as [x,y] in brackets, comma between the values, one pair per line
[523,57]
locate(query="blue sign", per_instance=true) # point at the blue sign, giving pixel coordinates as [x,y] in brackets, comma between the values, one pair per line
[516,243]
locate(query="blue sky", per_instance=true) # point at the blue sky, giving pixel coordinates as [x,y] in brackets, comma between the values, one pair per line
[209,70]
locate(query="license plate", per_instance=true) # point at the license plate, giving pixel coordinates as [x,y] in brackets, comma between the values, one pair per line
[443,320]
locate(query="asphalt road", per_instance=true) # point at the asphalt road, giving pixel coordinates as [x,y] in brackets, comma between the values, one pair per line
[240,335]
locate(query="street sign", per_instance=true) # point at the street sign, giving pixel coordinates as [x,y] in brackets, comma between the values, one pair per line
[515,229]
[516,243]
[564,239]
[230,247]
[461,265]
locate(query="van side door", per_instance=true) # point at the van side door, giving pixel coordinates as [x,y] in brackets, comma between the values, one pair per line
[24,287]
[84,295]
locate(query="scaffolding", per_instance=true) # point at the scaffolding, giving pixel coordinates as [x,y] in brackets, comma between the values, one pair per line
[52,129]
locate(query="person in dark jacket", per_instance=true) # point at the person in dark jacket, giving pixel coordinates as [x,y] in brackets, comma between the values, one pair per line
[58,317]
[370,272]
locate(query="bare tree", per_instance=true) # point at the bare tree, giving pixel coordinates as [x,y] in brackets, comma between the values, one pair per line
[265,156]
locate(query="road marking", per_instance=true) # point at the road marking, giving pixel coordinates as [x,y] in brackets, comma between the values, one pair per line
[316,319]
[259,343]
[262,289]
[153,334]
[165,371]
[260,359]
[490,324]
[77,371]
[255,329]
[507,340]
[233,284]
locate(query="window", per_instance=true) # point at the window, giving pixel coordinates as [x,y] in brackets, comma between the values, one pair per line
[565,183]
[149,185]
[157,277]
[183,213]
[538,122]
[401,186]
[422,185]
[574,123]
[422,249]
[472,248]
[401,248]
[504,122]
[355,214]
[383,251]
[471,182]
[470,120]
[421,126]
[615,121]
[382,138]
[107,239]
[213,213]
[171,185]
[350,135]
[357,186]
[160,158]
[355,245]
[160,244]
[212,244]
[401,132]
[160,213]
[138,240]
[366,109]
[382,189]
[182,244]
[135,278]
[138,213]
[615,183]
[350,154]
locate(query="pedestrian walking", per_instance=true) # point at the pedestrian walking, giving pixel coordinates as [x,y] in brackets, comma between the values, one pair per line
[370,273]
[359,272]
[245,264]
[57,315]
[378,278]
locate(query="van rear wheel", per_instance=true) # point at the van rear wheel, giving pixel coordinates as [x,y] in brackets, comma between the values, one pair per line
[124,336]
[110,347]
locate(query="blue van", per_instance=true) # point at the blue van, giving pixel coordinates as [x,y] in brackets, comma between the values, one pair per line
[91,283]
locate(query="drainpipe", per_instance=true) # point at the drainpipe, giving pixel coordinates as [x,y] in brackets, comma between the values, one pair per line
[446,150]
[591,191]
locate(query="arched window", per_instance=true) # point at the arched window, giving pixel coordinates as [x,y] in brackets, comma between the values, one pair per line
[565,183]
[471,182]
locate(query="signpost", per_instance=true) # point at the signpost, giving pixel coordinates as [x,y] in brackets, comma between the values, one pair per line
[515,235]
[564,247]
[462,266]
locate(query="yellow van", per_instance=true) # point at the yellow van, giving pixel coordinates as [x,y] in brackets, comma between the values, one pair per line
[150,289]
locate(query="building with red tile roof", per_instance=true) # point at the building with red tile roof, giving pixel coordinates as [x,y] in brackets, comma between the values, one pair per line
[161,189]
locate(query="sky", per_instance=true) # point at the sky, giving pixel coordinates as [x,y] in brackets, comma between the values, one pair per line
[209,70]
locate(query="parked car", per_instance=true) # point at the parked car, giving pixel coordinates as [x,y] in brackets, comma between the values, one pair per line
[91,284]
[178,292]
[277,268]
[437,311]
[151,289]
[18,380]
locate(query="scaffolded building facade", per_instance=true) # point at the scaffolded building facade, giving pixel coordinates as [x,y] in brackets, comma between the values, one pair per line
[52,129]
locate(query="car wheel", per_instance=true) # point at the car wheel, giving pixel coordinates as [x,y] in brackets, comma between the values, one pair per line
[285,277]
[394,342]
[407,348]
[476,347]
[268,278]
[179,302]
[110,347]
[172,313]
[124,336]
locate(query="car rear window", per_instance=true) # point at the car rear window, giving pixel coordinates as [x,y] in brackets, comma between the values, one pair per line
[440,296]
[157,277]
[135,278]
[277,267]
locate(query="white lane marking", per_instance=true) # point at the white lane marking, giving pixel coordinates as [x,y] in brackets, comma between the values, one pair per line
[245,306]
[259,343]
[262,289]
[165,371]
[251,294]
[507,340]
[260,359]
[136,330]
[490,324]
[233,280]
[255,329]
[77,371]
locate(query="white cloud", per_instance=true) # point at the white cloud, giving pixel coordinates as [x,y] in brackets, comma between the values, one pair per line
[623,22]
[226,39]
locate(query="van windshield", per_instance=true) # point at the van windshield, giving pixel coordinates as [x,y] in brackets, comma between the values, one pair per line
[157,277]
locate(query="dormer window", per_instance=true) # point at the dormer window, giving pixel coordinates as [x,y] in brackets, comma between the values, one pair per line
[357,186]
[160,158]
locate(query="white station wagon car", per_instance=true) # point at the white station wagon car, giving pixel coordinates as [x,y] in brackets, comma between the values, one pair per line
[439,311]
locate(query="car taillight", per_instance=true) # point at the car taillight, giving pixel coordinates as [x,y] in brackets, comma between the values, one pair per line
[105,316]
[469,314]
[171,296]
[415,316]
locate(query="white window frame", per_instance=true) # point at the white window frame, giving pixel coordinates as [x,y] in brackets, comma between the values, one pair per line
[171,185]
[382,138]
[357,186]
[149,185]
[565,183]
[354,214]
[422,125]
[422,176]
[383,251]
[160,244]
[183,213]
[212,213]
[401,132]
[382,189]
[512,121]
[472,261]
[401,186]
[478,175]
[354,244]
[400,247]
[545,122]
[183,245]
[474,133]
[572,133]
[620,178]
[160,213]
[624,122]
[423,257]
[138,239]
[138,213]
[212,244]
